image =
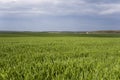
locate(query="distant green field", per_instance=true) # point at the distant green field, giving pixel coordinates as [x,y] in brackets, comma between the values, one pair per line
[44,56]
[56,34]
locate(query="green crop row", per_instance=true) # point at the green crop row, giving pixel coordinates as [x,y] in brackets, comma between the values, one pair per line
[59,58]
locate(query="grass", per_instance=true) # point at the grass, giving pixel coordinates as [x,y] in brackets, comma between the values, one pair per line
[60,58]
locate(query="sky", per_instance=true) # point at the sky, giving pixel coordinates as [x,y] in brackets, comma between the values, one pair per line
[59,15]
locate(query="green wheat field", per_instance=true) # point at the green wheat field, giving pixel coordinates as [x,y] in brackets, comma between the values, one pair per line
[48,56]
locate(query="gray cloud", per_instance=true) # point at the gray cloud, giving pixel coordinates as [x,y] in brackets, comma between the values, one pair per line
[60,7]
[59,14]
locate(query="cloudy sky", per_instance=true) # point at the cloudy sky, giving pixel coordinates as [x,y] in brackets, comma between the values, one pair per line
[59,15]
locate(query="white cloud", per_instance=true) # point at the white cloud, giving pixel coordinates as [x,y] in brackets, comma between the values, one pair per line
[54,7]
[30,1]
[58,7]
[110,8]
